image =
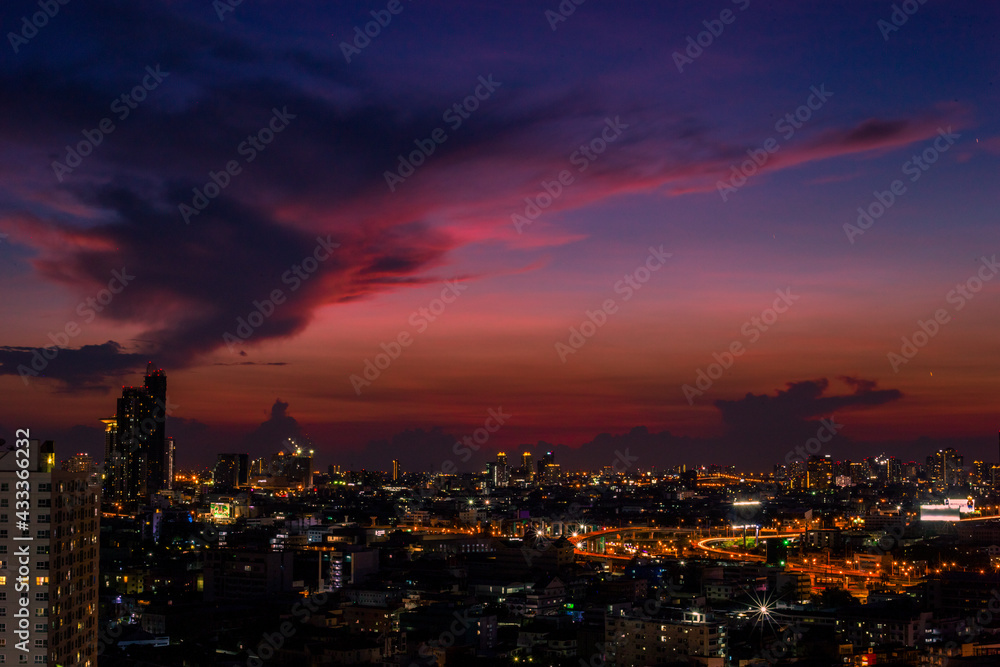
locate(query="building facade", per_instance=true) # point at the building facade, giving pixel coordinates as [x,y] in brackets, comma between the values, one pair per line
[49,527]
[137,458]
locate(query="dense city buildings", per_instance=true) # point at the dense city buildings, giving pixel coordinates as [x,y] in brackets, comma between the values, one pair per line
[232,471]
[624,565]
[48,558]
[270,561]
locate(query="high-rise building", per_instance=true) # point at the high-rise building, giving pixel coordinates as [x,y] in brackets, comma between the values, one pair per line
[503,469]
[638,639]
[546,459]
[858,474]
[56,540]
[84,463]
[944,468]
[548,470]
[169,464]
[549,474]
[820,473]
[797,474]
[137,461]
[869,468]
[888,469]
[492,468]
[395,470]
[232,471]
[981,472]
[526,467]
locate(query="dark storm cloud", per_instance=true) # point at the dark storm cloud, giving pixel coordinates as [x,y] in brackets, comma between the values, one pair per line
[801,401]
[417,449]
[637,449]
[84,368]
[193,439]
[270,436]
[197,282]
[789,418]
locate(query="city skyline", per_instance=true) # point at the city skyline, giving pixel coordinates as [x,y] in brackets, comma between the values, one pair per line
[559,332]
[143,412]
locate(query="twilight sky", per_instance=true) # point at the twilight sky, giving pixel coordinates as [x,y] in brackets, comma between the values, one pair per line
[459,191]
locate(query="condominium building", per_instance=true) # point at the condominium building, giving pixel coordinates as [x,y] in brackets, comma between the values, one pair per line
[48,559]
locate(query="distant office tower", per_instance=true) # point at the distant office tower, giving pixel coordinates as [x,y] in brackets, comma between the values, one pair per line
[492,481]
[820,473]
[136,465]
[497,474]
[894,470]
[395,470]
[869,470]
[169,464]
[526,468]
[548,471]
[945,468]
[57,541]
[858,475]
[888,469]
[546,459]
[503,470]
[84,463]
[981,472]
[258,467]
[232,471]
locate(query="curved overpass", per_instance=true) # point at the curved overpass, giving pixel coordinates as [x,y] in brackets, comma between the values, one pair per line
[851,578]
